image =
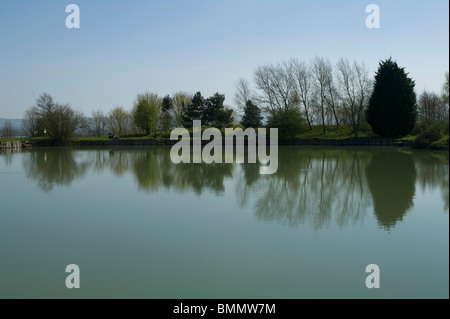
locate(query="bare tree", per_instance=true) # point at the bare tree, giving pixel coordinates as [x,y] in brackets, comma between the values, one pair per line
[99,122]
[320,73]
[45,104]
[83,126]
[243,94]
[444,96]
[304,87]
[445,89]
[365,86]
[60,121]
[332,96]
[30,121]
[444,112]
[432,108]
[119,120]
[277,87]
[7,130]
[355,88]
[266,96]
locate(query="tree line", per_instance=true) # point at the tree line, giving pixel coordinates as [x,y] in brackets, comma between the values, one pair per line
[321,93]
[149,113]
[293,96]
[317,92]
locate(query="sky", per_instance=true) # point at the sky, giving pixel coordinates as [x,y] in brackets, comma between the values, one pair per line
[124,48]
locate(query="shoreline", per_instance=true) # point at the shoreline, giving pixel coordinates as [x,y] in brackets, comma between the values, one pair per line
[140,142]
[362,141]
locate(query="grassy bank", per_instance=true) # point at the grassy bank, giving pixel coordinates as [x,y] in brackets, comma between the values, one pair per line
[333,132]
[12,139]
[316,132]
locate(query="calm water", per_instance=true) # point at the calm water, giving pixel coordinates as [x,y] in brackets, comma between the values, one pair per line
[139,226]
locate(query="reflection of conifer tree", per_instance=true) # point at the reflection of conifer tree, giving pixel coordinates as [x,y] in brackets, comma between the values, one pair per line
[391,177]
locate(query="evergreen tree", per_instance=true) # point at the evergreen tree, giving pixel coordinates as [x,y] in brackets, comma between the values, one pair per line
[212,107]
[7,130]
[392,106]
[252,115]
[215,113]
[166,116]
[224,117]
[194,110]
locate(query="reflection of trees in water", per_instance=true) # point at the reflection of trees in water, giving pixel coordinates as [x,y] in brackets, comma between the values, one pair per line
[153,169]
[119,161]
[312,186]
[146,170]
[99,159]
[7,155]
[200,176]
[433,171]
[316,186]
[53,167]
[391,177]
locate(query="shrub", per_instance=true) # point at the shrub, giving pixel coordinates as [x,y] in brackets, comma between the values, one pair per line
[289,122]
[425,139]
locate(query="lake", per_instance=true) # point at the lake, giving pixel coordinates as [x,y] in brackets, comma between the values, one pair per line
[139,226]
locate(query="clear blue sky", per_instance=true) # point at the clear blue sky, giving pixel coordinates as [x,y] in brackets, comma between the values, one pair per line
[127,47]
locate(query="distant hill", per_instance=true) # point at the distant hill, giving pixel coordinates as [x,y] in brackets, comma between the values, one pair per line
[15,123]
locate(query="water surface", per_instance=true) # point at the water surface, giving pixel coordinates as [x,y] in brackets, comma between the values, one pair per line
[139,226]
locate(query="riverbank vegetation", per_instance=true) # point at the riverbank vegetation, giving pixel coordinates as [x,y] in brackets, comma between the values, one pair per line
[306,100]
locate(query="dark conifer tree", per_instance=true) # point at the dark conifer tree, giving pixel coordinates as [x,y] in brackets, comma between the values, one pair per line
[392,106]
[252,115]
[194,110]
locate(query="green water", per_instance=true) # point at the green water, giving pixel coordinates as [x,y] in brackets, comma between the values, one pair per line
[139,226]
